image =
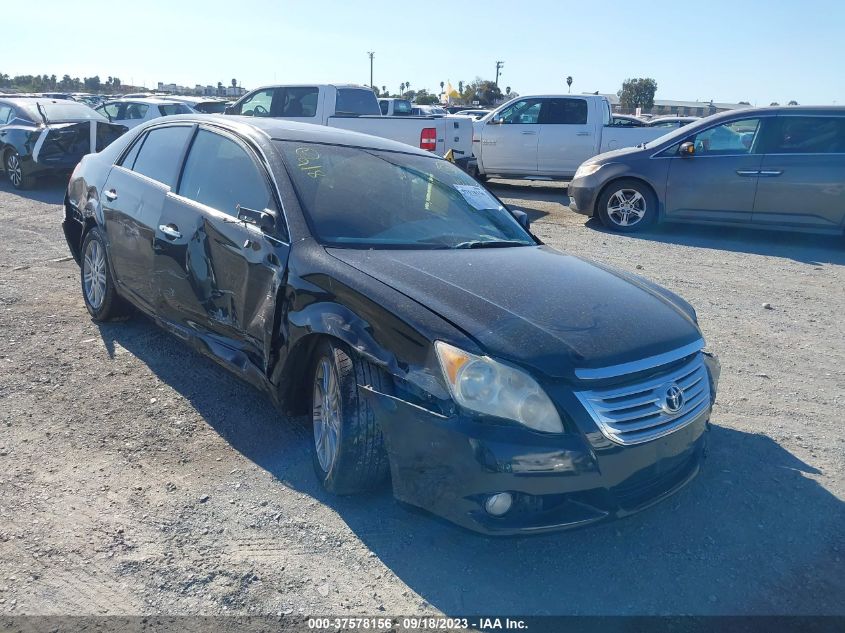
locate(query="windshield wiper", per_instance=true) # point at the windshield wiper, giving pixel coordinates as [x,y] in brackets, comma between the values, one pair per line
[490,244]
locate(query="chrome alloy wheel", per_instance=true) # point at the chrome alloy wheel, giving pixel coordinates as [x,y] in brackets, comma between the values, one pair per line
[326,414]
[626,207]
[94,274]
[13,169]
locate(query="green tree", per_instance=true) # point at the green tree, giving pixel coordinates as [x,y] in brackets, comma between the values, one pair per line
[637,93]
[774,103]
[792,103]
[484,91]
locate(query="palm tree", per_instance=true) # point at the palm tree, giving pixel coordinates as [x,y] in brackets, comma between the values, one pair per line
[384,89]
[507,90]
[442,86]
[407,85]
[569,83]
[401,88]
[461,87]
[234,83]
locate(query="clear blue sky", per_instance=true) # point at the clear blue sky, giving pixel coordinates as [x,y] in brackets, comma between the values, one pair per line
[740,50]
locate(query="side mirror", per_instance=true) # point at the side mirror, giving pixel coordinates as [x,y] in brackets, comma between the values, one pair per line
[522,218]
[264,220]
[232,109]
[496,120]
[687,149]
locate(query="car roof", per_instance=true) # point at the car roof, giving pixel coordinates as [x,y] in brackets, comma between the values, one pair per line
[285,130]
[147,100]
[21,101]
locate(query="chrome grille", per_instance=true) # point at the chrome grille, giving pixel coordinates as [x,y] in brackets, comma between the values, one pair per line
[639,412]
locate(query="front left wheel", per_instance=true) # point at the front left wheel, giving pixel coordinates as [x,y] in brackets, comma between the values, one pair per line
[348,448]
[627,205]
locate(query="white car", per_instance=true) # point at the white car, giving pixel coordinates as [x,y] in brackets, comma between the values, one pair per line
[672,122]
[132,112]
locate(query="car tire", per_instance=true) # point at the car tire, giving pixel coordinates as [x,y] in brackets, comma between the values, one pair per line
[348,447]
[98,287]
[14,169]
[627,206]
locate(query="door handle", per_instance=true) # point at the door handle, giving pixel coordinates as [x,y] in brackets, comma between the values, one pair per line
[582,134]
[747,172]
[771,172]
[111,195]
[531,133]
[170,231]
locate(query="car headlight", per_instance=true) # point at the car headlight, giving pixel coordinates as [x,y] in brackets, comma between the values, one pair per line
[484,385]
[587,169]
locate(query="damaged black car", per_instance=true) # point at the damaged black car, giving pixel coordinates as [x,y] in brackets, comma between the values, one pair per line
[432,340]
[44,136]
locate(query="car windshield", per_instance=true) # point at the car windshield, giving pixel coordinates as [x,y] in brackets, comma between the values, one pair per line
[366,198]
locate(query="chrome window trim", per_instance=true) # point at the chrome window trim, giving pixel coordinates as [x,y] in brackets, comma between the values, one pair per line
[614,371]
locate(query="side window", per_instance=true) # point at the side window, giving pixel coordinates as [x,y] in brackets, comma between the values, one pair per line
[129,160]
[135,111]
[173,108]
[161,152]
[220,174]
[295,102]
[258,104]
[111,110]
[805,135]
[564,112]
[355,101]
[736,137]
[5,114]
[525,111]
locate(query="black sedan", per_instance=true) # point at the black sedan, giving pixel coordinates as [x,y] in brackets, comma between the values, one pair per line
[40,136]
[380,290]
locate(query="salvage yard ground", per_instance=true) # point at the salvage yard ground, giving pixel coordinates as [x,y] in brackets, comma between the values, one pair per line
[138,477]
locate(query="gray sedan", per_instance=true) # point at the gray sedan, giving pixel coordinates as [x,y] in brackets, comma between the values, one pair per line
[764,167]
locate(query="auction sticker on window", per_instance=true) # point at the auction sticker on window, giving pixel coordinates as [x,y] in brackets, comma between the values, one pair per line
[478,197]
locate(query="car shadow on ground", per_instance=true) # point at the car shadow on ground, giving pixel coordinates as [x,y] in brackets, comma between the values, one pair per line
[754,533]
[48,189]
[808,248]
[551,193]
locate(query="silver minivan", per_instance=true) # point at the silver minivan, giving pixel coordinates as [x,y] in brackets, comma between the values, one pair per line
[761,167]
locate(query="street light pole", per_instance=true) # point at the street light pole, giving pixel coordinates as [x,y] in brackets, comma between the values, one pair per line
[371,54]
[499,66]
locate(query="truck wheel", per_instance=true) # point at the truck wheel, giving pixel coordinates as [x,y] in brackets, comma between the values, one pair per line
[98,287]
[627,205]
[348,448]
[15,171]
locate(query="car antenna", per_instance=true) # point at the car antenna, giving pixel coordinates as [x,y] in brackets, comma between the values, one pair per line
[41,112]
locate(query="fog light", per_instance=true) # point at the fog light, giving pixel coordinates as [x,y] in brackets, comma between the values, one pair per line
[498,504]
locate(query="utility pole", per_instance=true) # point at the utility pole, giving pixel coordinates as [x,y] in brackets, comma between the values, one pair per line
[499,66]
[371,54]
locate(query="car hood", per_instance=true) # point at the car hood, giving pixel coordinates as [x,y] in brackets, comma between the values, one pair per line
[536,306]
[608,157]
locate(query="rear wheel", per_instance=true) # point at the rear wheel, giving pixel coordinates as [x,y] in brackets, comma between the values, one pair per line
[627,206]
[98,288]
[348,448]
[15,171]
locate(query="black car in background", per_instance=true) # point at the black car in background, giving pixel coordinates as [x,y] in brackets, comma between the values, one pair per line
[39,136]
[386,294]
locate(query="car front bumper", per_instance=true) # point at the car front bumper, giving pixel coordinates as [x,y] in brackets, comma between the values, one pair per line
[451,465]
[583,196]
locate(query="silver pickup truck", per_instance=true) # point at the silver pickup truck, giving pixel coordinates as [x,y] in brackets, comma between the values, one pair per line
[356,108]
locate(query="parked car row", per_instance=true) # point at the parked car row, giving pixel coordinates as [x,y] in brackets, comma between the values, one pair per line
[364,282]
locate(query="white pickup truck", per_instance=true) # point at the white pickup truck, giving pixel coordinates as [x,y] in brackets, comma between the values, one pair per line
[547,137]
[356,108]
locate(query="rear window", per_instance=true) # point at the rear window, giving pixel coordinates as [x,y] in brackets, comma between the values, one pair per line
[356,102]
[174,108]
[402,108]
[564,112]
[63,111]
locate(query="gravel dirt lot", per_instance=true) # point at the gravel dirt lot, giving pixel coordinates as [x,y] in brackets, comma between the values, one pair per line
[139,477]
